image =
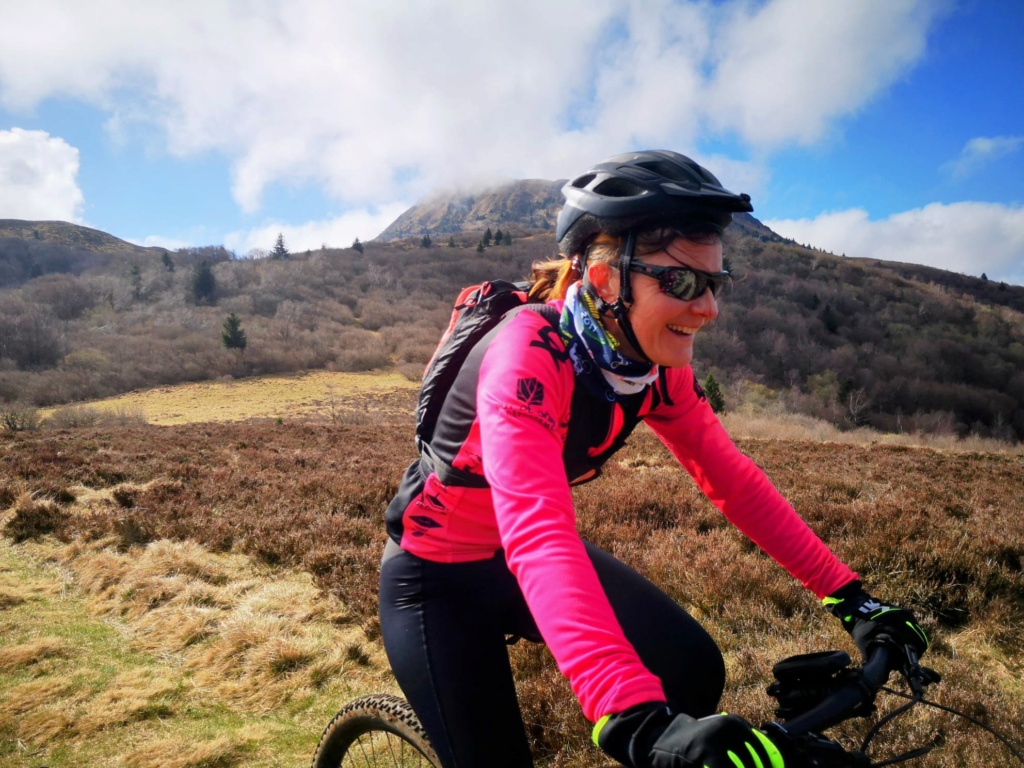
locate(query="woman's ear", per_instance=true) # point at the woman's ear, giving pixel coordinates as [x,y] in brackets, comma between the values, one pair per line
[605,280]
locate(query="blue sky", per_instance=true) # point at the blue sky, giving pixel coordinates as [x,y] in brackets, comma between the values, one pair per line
[881,128]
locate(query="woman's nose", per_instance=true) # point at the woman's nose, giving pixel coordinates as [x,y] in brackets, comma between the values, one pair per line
[705,305]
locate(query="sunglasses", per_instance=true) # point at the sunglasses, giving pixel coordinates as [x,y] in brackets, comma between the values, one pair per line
[683,283]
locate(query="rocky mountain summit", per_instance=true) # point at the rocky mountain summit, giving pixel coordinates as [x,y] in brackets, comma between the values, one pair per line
[524,205]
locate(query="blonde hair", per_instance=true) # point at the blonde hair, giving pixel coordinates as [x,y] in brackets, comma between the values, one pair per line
[551,279]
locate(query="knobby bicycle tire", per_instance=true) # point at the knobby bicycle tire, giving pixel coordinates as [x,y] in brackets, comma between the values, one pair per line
[375,731]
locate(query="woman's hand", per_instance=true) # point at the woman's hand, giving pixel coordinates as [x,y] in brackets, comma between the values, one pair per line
[650,736]
[870,620]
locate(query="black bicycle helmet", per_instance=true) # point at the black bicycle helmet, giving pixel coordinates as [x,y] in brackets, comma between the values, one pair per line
[651,187]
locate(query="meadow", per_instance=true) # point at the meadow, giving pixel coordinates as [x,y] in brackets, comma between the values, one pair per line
[203,594]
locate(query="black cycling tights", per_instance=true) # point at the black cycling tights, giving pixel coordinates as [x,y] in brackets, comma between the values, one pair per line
[444,628]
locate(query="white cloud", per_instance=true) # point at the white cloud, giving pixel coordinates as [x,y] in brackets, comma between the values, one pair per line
[339,232]
[159,241]
[980,151]
[787,69]
[383,101]
[970,238]
[38,177]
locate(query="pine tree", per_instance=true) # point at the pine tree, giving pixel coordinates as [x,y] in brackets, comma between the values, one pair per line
[279,252]
[232,336]
[357,246]
[426,242]
[451,241]
[498,237]
[135,281]
[830,319]
[202,283]
[166,259]
[714,394]
[487,238]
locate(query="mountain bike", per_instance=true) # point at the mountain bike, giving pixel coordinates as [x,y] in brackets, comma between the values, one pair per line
[815,692]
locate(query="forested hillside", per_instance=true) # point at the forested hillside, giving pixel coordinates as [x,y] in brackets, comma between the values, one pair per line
[858,342]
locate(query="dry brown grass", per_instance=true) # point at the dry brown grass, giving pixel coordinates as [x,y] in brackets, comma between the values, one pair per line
[25,654]
[778,424]
[217,752]
[250,637]
[313,395]
[190,658]
[140,694]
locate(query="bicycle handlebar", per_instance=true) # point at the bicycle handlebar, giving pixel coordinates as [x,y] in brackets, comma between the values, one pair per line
[856,694]
[819,690]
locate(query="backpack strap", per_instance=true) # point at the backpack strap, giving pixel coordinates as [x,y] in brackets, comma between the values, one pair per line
[445,472]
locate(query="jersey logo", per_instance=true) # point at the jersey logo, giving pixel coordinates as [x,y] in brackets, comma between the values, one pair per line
[547,341]
[426,522]
[530,391]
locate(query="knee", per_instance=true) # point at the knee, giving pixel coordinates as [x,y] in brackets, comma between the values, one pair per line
[697,680]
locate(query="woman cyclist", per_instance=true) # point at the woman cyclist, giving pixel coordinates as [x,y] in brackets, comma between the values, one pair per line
[491,550]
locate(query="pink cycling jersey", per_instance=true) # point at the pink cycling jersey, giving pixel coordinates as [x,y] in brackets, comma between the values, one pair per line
[523,396]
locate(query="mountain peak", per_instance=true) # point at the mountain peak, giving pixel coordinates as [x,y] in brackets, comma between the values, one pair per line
[525,204]
[521,204]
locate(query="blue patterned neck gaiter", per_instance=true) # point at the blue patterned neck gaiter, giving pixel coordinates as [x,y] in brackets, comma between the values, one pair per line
[604,370]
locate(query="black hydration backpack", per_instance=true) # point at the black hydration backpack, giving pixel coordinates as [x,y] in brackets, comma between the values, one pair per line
[478,309]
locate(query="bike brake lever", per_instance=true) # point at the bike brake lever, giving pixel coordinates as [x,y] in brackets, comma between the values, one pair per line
[917,676]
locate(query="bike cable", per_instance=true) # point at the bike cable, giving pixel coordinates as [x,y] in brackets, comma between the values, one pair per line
[918,699]
[920,752]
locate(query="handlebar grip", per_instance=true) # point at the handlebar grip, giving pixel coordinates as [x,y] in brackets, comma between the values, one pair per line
[846,699]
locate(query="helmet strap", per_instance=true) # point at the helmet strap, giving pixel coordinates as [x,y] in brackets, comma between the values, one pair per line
[620,312]
[620,309]
[625,261]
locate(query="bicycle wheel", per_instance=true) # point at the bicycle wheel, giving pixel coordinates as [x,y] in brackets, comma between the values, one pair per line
[379,730]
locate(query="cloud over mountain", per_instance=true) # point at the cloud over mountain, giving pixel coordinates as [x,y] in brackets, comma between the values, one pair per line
[388,102]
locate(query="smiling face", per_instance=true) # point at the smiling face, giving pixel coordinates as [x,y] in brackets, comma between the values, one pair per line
[664,326]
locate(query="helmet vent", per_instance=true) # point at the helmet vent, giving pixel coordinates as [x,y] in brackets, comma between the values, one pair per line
[614,187]
[583,180]
[670,171]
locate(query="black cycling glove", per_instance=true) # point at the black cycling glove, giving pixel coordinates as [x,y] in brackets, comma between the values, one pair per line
[868,619]
[650,736]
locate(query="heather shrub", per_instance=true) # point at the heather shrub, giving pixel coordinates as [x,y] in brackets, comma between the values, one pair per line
[32,519]
[935,530]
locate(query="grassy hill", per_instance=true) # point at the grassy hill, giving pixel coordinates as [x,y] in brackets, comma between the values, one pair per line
[69,235]
[854,341]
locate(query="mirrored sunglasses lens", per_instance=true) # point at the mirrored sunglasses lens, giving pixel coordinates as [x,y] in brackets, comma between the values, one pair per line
[684,284]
